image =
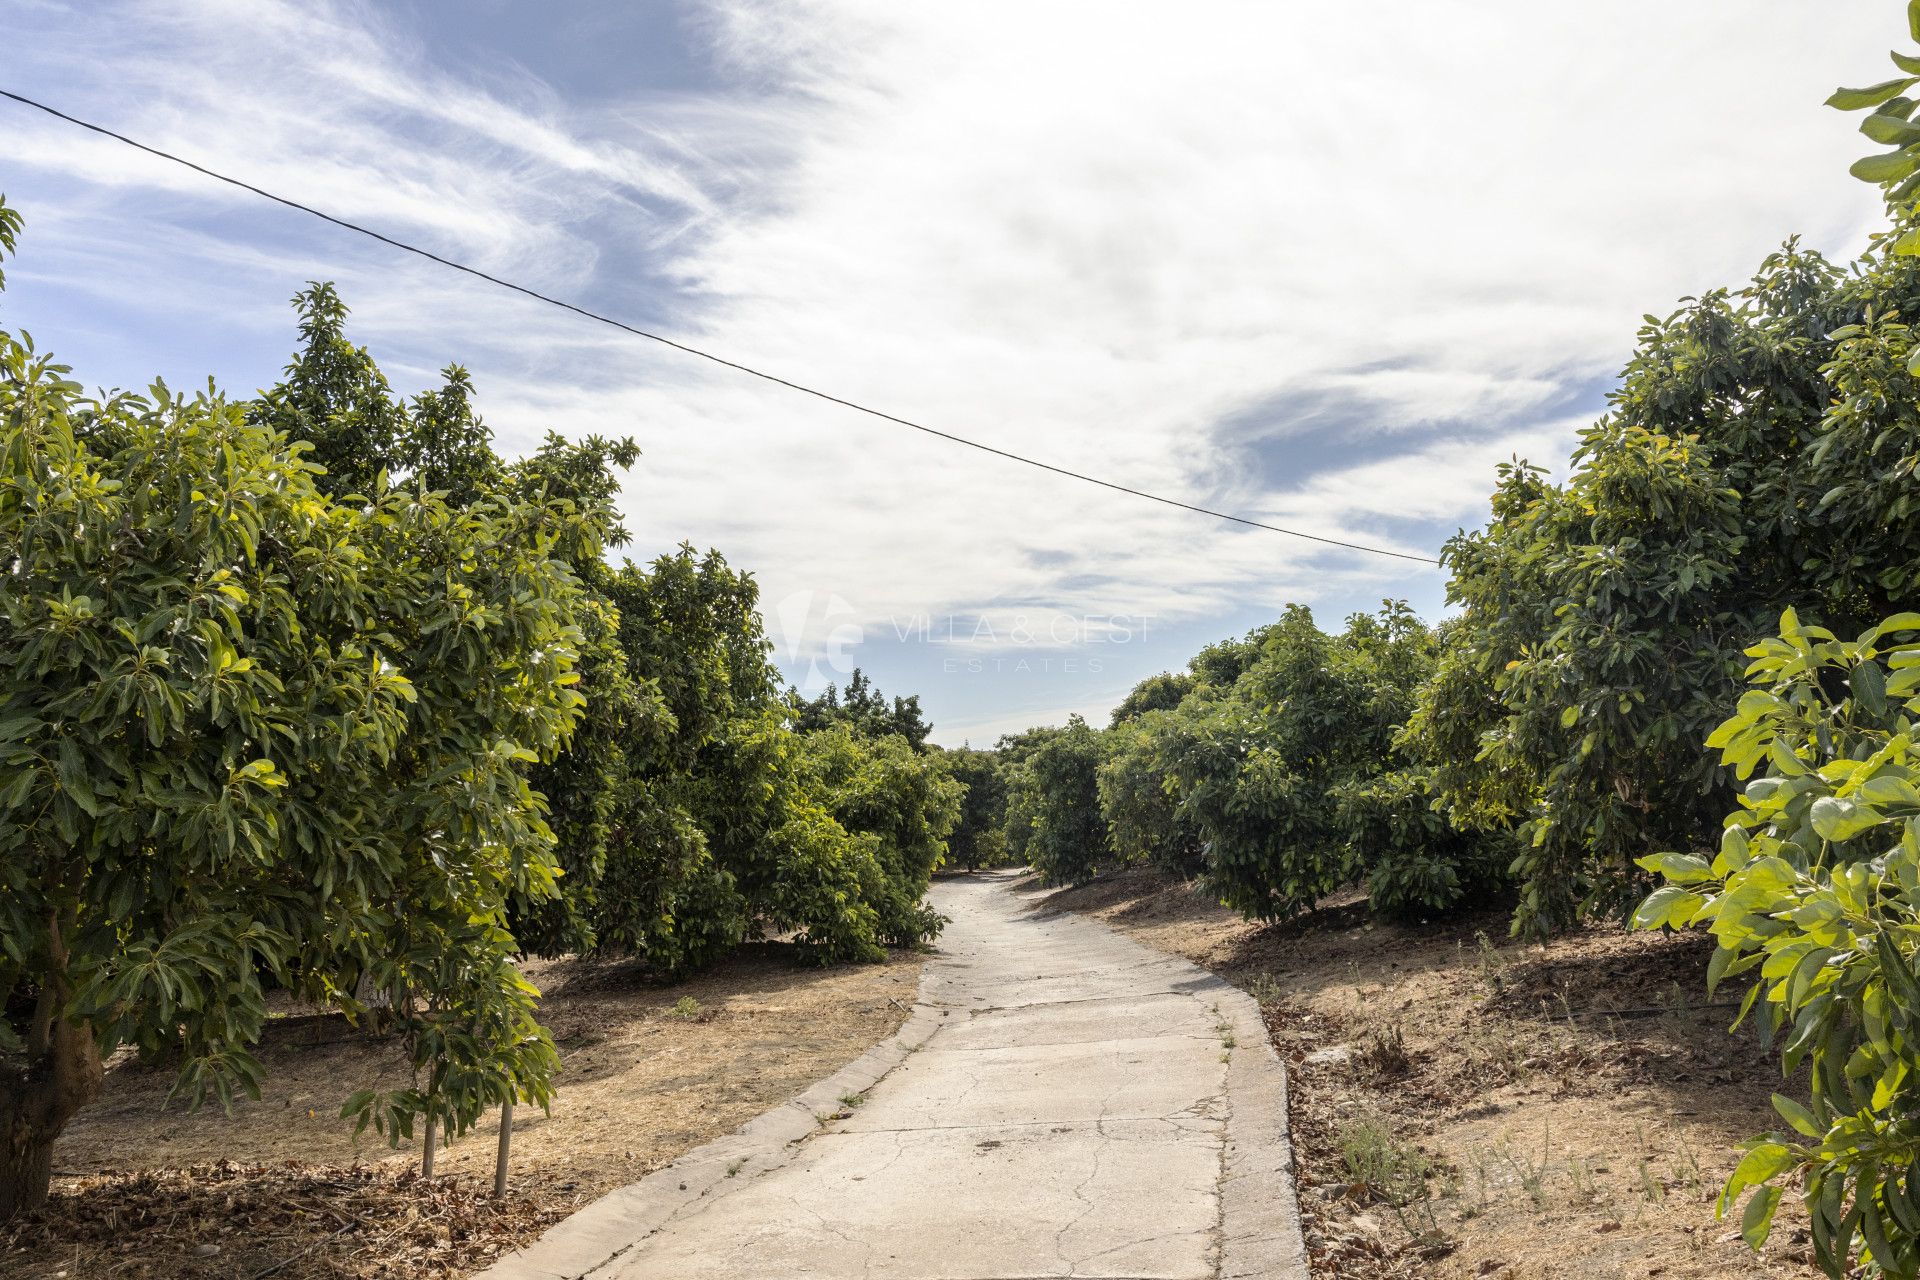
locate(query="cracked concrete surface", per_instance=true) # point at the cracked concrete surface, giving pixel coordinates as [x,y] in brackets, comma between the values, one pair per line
[1064,1102]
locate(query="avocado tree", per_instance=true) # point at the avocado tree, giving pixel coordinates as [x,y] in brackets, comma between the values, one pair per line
[334,397]
[1287,775]
[1759,450]
[978,839]
[1815,888]
[249,732]
[862,707]
[1054,791]
[1813,885]
[1146,819]
[907,801]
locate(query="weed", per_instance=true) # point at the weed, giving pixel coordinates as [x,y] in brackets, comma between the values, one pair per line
[1420,1222]
[1491,962]
[686,1008]
[1586,1188]
[1266,989]
[1688,1172]
[1532,1174]
[1492,1054]
[1652,1189]
[852,1100]
[1385,1053]
[1481,1182]
[1382,1166]
[734,1169]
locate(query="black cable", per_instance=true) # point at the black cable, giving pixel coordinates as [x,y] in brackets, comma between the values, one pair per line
[695,351]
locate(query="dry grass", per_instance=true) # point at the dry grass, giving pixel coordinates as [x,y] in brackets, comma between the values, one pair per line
[1571,1109]
[645,1077]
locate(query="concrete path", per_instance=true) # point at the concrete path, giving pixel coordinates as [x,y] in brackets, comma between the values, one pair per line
[1064,1102]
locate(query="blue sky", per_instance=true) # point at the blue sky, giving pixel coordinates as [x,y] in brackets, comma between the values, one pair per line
[1324,266]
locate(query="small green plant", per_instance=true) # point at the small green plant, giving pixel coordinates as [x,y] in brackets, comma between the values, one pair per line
[733,1169]
[1482,1183]
[852,1100]
[1652,1189]
[1586,1187]
[1687,1172]
[1491,962]
[1266,989]
[1380,1165]
[1532,1174]
[686,1008]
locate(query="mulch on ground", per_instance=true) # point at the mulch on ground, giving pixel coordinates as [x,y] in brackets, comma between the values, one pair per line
[282,1187]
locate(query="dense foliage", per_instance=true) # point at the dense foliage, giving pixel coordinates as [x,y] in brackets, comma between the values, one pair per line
[1757,439]
[979,837]
[1816,884]
[1276,770]
[1816,880]
[1146,821]
[901,804]
[1163,692]
[318,691]
[688,816]
[250,734]
[1054,794]
[864,709]
[1299,781]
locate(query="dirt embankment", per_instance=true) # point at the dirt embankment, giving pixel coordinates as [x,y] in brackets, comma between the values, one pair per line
[281,1187]
[1465,1106]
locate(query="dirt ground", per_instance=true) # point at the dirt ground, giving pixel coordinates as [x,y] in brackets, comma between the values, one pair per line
[154,1192]
[1490,1109]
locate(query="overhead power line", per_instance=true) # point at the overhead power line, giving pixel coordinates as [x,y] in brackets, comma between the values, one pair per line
[706,355]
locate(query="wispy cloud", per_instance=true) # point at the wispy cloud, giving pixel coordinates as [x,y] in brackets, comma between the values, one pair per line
[1322,265]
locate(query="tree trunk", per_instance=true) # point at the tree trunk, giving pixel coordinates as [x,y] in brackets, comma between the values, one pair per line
[26,1169]
[36,1102]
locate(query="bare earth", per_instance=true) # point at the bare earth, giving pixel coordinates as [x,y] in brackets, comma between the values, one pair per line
[1578,1104]
[149,1190]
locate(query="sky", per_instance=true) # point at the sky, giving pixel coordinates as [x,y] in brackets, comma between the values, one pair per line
[1323,266]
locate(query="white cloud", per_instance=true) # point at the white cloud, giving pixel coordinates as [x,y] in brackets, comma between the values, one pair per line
[1093,233]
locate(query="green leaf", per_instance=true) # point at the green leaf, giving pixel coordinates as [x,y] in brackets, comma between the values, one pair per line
[1798,1116]
[1757,1221]
[72,772]
[1764,1161]
[1873,96]
[1669,905]
[1889,167]
[1899,621]
[1890,130]
[1681,868]
[1869,685]
[1906,62]
[1837,819]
